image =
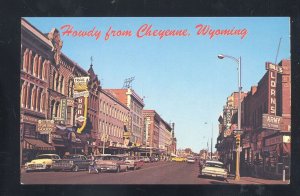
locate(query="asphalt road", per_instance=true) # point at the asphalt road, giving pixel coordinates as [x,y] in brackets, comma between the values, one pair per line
[150,173]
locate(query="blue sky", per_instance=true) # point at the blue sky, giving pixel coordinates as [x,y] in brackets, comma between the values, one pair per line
[181,77]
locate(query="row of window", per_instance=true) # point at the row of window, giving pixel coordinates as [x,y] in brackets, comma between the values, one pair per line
[112,111]
[111,129]
[32,97]
[34,64]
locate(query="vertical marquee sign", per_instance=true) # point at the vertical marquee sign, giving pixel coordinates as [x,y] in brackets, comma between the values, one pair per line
[81,93]
[270,120]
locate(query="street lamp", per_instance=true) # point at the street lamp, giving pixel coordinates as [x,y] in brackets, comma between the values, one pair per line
[238,133]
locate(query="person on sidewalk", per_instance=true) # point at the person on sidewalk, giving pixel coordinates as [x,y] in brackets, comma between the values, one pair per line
[93,166]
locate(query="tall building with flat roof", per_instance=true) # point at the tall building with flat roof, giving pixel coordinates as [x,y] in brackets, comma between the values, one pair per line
[136,104]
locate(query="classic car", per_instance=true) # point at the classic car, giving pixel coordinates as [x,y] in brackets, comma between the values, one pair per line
[134,163]
[73,162]
[178,159]
[110,163]
[214,169]
[41,162]
[145,159]
[191,160]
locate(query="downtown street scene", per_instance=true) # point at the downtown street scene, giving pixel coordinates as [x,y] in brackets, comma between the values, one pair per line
[155,101]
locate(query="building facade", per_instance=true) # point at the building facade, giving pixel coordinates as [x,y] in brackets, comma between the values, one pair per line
[266,119]
[113,118]
[135,122]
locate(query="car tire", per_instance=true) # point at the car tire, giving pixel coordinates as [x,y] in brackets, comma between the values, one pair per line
[75,168]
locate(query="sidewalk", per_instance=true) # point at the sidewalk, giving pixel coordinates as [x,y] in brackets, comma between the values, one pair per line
[251,180]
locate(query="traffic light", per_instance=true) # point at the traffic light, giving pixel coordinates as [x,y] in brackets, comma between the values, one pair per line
[238,140]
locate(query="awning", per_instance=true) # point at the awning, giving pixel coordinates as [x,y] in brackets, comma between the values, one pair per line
[30,143]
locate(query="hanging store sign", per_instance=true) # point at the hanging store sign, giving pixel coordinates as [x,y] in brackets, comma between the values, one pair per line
[273,71]
[227,116]
[81,84]
[286,139]
[274,140]
[271,122]
[63,107]
[45,126]
[81,93]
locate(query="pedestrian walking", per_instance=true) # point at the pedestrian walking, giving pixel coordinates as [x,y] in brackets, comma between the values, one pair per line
[92,166]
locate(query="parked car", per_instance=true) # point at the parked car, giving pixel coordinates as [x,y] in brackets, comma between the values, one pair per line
[214,169]
[146,159]
[134,163]
[191,160]
[178,159]
[111,163]
[73,162]
[41,162]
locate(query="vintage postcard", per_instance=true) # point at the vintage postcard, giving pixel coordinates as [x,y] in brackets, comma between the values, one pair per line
[160,100]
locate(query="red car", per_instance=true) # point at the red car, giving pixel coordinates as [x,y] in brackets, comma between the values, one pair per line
[134,162]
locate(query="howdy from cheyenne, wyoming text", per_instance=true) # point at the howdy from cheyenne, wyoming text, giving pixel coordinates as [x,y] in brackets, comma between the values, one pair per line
[147,30]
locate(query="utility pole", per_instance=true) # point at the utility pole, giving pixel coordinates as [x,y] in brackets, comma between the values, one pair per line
[211,150]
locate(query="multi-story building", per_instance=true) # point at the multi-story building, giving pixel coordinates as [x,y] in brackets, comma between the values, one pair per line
[135,122]
[113,118]
[159,135]
[228,123]
[266,121]
[48,109]
[36,58]
[165,138]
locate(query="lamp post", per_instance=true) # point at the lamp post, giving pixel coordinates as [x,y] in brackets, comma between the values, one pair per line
[238,132]
[211,141]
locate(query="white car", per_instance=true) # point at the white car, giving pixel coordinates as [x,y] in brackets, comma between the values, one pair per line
[191,160]
[214,169]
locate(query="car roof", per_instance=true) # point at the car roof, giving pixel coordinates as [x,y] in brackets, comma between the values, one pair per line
[217,162]
[48,154]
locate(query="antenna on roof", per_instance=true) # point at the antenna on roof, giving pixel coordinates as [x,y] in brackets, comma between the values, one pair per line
[278,50]
[127,82]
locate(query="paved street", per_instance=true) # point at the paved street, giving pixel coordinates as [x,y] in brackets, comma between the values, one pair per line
[151,173]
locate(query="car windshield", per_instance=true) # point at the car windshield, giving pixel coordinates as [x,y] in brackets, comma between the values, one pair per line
[112,158]
[45,157]
[191,158]
[218,165]
[71,157]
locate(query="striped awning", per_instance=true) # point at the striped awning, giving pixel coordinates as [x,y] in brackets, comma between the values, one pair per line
[36,144]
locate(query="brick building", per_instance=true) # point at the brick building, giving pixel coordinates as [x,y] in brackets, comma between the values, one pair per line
[266,119]
[135,122]
[266,144]
[113,115]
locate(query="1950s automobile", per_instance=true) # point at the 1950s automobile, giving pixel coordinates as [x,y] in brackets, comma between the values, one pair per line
[41,162]
[110,163]
[73,162]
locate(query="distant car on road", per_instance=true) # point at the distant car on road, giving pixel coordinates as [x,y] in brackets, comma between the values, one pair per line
[41,162]
[178,159]
[214,169]
[146,159]
[191,160]
[73,162]
[134,163]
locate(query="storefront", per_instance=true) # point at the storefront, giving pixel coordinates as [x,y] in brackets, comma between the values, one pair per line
[33,147]
[276,155]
